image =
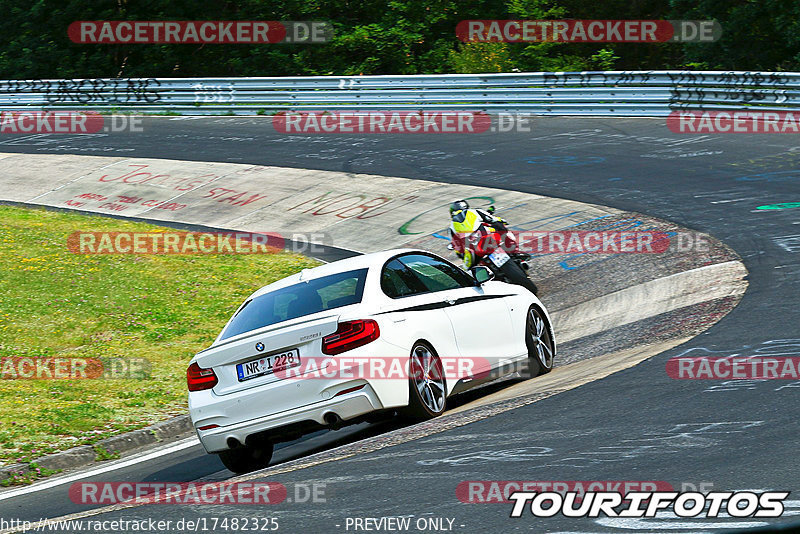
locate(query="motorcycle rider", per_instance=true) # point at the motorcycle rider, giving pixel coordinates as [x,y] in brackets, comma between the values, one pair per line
[464,221]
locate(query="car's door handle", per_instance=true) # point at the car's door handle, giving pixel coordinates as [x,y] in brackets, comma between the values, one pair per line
[451,302]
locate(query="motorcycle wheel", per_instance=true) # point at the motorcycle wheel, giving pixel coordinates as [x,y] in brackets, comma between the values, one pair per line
[516,275]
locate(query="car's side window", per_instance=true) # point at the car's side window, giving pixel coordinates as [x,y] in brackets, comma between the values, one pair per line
[397,280]
[341,293]
[436,275]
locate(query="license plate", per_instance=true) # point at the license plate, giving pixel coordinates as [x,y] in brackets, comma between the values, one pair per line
[499,257]
[266,365]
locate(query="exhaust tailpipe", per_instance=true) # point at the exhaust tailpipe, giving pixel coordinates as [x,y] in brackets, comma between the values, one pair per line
[332,420]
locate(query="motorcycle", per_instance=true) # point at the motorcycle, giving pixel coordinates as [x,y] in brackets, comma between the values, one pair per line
[495,247]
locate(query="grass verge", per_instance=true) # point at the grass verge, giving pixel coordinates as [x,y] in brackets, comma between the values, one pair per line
[54,303]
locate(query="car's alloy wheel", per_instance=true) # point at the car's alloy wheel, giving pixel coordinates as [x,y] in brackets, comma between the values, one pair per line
[541,351]
[246,459]
[427,395]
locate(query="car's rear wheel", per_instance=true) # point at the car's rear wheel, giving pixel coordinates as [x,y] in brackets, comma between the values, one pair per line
[248,458]
[427,388]
[539,339]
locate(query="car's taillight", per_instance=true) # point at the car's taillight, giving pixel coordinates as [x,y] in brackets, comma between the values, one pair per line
[349,335]
[199,379]
[487,244]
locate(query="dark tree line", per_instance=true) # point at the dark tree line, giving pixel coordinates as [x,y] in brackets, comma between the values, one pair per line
[389,37]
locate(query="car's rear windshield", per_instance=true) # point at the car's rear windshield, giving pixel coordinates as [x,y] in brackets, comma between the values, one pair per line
[304,298]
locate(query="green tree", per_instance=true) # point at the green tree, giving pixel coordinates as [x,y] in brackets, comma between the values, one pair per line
[388,37]
[756,34]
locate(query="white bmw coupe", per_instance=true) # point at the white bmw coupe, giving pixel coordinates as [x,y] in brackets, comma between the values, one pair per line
[390,332]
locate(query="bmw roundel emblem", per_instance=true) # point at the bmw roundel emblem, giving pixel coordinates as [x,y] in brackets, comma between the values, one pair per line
[259,346]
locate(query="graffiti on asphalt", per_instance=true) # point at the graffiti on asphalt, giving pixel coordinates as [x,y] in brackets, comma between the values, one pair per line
[350,204]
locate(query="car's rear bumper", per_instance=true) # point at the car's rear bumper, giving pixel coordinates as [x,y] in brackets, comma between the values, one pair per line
[347,406]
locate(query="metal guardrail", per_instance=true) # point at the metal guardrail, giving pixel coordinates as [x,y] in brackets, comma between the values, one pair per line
[619,93]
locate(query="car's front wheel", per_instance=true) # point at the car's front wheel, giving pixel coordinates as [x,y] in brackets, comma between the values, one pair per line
[248,458]
[427,388]
[539,339]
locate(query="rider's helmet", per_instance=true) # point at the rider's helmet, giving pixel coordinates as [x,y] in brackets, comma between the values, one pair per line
[458,210]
